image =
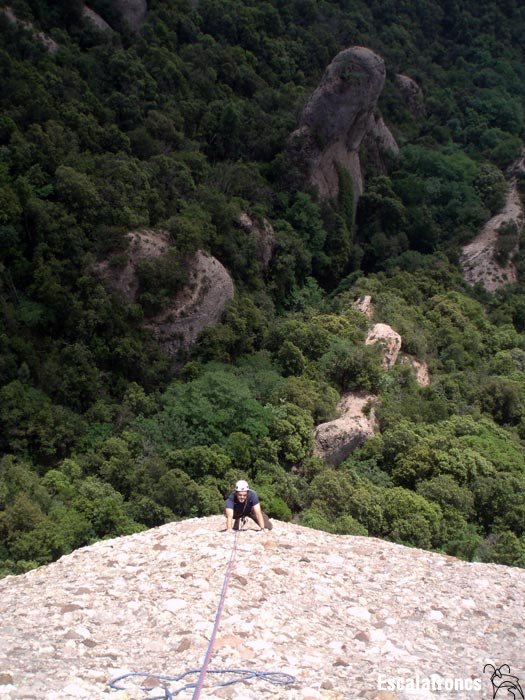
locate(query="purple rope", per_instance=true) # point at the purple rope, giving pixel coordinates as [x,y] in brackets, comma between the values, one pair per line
[209,650]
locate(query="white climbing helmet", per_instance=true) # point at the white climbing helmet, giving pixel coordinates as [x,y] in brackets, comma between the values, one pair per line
[242,486]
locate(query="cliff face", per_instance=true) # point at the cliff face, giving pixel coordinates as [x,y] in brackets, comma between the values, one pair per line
[344,101]
[123,280]
[344,615]
[479,259]
[336,119]
[95,19]
[132,12]
[199,305]
[338,438]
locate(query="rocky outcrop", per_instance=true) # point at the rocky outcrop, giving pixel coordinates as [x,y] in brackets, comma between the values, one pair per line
[133,12]
[337,439]
[364,305]
[343,615]
[263,234]
[49,44]
[420,369]
[120,276]
[199,305]
[379,144]
[389,341]
[335,121]
[479,257]
[412,94]
[341,106]
[95,19]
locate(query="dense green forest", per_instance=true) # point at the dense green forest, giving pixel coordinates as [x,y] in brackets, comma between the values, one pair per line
[180,127]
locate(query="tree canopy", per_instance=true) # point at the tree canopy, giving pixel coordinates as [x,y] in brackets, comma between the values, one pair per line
[182,126]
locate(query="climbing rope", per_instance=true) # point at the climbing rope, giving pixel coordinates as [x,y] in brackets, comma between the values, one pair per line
[222,598]
[275,677]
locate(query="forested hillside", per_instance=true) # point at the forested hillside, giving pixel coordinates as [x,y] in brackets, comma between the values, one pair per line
[181,126]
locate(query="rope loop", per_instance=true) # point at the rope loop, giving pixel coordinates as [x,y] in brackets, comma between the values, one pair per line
[244,674]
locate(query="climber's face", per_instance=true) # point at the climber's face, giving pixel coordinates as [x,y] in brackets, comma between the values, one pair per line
[241,495]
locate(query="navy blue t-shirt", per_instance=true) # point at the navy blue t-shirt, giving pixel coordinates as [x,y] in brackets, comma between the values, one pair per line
[241,509]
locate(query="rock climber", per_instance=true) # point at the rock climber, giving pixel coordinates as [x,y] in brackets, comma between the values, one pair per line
[244,503]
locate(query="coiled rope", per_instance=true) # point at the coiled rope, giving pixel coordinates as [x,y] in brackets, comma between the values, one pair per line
[275,677]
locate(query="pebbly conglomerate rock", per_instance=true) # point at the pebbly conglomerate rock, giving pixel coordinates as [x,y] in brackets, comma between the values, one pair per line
[342,614]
